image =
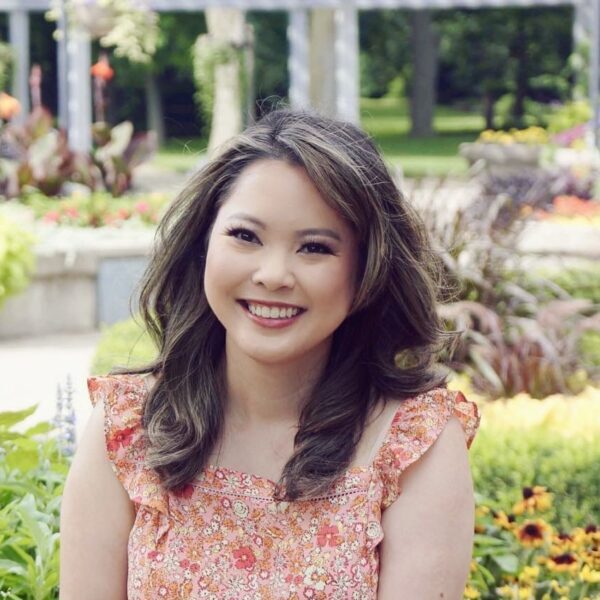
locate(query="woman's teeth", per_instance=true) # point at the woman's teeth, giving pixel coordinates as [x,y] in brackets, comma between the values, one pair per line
[272,312]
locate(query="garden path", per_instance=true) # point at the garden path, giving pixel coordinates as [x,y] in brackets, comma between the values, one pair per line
[32,368]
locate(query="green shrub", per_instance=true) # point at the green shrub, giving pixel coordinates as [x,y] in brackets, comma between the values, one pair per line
[552,443]
[505,461]
[32,474]
[122,344]
[16,258]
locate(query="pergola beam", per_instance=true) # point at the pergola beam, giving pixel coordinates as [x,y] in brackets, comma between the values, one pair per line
[196,5]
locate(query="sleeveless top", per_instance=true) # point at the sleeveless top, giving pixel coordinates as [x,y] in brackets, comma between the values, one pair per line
[224,536]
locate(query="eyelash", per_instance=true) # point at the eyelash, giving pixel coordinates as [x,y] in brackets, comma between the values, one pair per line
[238,231]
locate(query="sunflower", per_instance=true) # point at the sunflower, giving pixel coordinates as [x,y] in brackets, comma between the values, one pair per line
[532,533]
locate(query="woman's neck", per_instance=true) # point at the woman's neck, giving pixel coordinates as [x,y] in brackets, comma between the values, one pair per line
[259,394]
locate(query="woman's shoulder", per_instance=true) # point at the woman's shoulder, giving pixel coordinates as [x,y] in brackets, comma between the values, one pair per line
[119,388]
[416,424]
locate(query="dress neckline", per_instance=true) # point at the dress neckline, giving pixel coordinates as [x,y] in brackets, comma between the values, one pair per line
[225,477]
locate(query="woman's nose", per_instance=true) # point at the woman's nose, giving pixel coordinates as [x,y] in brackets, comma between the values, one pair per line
[274,272]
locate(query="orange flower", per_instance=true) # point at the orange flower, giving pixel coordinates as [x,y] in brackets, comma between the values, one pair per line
[532,533]
[102,69]
[9,107]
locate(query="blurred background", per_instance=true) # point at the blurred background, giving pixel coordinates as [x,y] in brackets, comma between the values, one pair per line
[487,116]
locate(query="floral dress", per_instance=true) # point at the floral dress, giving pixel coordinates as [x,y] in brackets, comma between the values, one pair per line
[224,536]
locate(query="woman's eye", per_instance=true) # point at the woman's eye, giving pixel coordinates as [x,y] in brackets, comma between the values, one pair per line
[316,248]
[245,235]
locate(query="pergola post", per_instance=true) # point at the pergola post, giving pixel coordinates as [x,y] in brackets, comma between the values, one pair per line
[63,71]
[299,58]
[346,62]
[19,40]
[79,60]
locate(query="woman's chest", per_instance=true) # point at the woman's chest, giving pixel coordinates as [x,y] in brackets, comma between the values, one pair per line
[224,546]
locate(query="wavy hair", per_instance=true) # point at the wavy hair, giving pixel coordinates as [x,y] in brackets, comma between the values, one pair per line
[387,346]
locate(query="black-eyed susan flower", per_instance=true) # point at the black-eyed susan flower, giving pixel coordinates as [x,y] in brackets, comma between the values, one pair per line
[593,534]
[563,563]
[532,533]
[591,557]
[501,519]
[535,499]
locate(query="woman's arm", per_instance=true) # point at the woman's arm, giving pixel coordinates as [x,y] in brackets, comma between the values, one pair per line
[428,530]
[96,518]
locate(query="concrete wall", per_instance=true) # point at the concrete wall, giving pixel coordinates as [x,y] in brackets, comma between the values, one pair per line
[77,288]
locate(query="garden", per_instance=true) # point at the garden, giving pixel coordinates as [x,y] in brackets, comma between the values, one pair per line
[508,184]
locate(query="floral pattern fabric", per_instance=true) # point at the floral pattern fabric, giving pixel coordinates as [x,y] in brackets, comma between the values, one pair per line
[225,537]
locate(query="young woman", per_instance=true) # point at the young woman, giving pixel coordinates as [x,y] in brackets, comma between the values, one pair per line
[293,438]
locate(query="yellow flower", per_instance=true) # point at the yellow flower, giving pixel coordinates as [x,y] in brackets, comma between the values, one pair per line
[534,499]
[525,594]
[556,587]
[471,592]
[503,520]
[562,563]
[592,558]
[529,574]
[506,591]
[532,533]
[589,575]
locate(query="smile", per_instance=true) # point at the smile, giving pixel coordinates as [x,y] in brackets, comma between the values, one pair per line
[271,311]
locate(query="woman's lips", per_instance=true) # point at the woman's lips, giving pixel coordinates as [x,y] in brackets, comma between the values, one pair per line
[271,322]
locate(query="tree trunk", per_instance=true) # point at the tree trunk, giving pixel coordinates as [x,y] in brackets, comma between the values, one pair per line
[488,109]
[520,54]
[226,25]
[424,41]
[322,60]
[154,109]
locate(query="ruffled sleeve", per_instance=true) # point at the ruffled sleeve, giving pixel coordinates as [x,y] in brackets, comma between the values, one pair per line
[417,424]
[123,397]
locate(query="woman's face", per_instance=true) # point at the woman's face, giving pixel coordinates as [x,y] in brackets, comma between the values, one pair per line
[281,266]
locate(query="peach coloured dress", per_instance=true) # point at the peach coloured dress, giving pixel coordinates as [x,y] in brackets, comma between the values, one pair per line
[224,537]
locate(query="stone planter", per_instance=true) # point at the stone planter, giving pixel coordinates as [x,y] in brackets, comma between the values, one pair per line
[83,278]
[94,18]
[502,157]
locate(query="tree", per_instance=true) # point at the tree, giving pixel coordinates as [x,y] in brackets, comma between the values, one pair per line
[424,42]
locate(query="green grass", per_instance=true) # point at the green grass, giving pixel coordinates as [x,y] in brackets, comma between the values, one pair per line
[180,154]
[124,344]
[388,121]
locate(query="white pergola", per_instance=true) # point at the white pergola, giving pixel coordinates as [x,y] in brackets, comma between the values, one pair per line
[74,54]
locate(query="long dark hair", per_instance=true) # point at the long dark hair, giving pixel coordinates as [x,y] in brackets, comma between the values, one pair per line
[387,346]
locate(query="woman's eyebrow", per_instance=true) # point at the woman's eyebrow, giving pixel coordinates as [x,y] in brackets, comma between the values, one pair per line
[302,232]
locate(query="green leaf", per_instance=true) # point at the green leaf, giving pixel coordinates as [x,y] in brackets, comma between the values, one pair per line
[39,428]
[509,563]
[10,566]
[10,418]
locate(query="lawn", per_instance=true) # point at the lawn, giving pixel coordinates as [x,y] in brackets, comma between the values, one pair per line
[387,120]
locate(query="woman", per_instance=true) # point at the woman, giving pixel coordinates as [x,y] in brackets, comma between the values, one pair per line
[293,439]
